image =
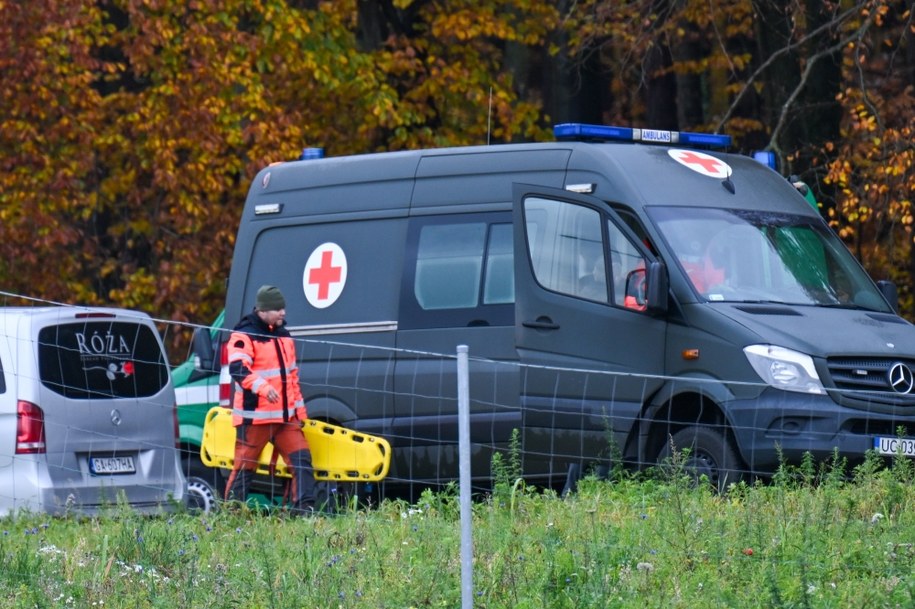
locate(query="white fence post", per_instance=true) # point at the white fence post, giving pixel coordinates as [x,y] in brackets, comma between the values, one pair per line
[463,388]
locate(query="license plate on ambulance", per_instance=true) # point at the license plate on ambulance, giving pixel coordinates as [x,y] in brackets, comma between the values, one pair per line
[895,446]
[103,466]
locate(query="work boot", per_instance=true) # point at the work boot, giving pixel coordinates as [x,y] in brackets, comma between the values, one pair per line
[304,501]
[238,491]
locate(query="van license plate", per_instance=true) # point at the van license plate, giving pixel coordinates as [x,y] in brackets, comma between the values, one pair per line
[112,465]
[894,446]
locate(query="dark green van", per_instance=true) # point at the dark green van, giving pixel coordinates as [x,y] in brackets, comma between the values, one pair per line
[621,291]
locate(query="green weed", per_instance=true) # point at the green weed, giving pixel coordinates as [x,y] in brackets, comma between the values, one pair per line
[814,538]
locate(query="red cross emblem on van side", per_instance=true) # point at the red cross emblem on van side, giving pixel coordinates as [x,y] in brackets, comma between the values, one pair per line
[702,163]
[325,275]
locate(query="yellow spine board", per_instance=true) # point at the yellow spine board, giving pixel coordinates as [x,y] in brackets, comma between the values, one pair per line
[337,453]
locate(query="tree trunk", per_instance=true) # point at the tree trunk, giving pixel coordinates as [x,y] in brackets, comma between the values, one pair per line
[774,33]
[690,90]
[573,90]
[661,90]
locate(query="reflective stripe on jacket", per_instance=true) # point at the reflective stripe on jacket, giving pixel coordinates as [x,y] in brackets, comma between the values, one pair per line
[261,357]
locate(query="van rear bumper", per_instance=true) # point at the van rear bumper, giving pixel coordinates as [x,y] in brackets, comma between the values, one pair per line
[35,488]
[91,502]
[794,424]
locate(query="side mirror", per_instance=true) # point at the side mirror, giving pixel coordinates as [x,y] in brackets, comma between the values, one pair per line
[646,289]
[204,353]
[889,291]
[658,287]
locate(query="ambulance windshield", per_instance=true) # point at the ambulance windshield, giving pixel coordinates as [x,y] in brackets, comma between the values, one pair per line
[755,256]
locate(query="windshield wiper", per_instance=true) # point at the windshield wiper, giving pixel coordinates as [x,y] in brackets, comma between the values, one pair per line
[848,305]
[772,302]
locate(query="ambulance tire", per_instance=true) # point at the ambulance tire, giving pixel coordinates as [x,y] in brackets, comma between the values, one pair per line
[205,486]
[711,456]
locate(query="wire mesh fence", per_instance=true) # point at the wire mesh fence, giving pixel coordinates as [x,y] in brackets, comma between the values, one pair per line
[553,423]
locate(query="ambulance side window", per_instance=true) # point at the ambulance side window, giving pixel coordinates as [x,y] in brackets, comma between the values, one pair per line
[449,265]
[569,254]
[633,223]
[499,287]
[460,272]
[565,246]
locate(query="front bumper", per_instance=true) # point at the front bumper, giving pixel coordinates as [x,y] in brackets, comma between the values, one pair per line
[782,425]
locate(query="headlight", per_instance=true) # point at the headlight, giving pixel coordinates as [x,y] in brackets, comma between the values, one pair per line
[785,369]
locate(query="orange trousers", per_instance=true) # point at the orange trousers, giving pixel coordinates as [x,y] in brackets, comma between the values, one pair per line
[289,441]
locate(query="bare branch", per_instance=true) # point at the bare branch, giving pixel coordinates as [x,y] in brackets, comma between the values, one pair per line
[783,51]
[811,62]
[863,84]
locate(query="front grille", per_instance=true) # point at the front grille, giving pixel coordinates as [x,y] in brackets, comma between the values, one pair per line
[867,379]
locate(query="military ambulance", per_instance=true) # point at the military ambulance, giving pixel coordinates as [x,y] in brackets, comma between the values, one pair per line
[622,292]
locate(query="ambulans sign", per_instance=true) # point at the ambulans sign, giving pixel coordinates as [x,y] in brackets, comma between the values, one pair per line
[325,275]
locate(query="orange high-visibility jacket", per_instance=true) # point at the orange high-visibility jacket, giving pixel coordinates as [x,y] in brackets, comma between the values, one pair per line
[261,357]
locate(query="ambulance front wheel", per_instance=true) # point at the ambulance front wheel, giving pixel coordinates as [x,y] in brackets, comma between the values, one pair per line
[205,486]
[706,455]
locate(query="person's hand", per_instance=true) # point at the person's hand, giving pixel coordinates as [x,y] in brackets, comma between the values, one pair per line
[272,395]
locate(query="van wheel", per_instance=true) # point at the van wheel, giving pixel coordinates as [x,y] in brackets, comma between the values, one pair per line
[204,486]
[710,455]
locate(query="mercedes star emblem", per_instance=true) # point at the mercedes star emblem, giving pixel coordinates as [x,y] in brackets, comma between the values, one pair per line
[901,378]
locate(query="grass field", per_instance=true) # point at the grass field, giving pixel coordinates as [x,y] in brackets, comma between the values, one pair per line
[809,538]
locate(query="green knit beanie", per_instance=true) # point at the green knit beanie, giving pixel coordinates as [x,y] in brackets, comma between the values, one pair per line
[269,298]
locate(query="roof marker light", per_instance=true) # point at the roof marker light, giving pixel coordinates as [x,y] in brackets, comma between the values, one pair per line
[581,131]
[268,208]
[309,154]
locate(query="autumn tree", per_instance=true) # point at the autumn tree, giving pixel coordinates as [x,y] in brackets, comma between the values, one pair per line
[827,86]
[131,129]
[869,167]
[446,64]
[50,119]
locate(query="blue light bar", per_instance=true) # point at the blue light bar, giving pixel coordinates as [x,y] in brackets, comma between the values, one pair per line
[581,131]
[766,157]
[714,140]
[577,131]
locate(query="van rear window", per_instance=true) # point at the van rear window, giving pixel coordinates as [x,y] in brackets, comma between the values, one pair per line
[95,359]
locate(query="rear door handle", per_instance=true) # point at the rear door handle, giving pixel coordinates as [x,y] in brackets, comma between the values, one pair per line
[541,323]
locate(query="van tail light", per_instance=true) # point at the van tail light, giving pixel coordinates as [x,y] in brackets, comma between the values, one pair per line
[29,429]
[225,379]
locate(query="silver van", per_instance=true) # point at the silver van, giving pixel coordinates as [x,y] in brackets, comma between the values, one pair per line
[87,412]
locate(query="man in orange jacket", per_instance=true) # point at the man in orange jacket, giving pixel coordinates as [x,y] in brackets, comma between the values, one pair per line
[268,405]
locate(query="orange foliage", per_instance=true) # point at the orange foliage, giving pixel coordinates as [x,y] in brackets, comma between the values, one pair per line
[130,130]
